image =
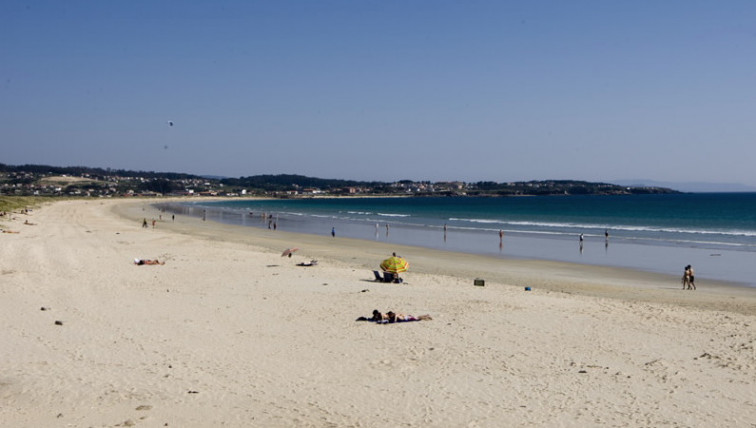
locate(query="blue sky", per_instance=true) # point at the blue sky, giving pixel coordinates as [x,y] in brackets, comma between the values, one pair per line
[384,90]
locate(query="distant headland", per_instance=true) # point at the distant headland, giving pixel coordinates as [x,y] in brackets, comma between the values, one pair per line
[45,180]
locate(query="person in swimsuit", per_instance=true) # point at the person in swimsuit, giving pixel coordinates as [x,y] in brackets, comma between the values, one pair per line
[393,317]
[140,262]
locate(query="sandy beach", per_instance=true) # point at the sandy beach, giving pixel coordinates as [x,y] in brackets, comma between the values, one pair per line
[229,333]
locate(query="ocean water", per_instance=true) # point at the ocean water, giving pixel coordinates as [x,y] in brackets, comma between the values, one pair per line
[715,232]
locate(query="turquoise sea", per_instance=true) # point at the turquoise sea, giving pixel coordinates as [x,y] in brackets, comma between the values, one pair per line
[715,232]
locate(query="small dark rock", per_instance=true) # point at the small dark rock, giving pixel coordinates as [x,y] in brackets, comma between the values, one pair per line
[58,322]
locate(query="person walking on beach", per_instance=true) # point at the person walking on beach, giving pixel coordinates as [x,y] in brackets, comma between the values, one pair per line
[689,279]
[144,223]
[333,232]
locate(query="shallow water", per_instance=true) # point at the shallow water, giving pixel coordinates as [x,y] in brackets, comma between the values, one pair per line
[716,233]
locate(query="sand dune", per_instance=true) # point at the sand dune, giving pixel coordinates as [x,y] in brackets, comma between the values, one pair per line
[228,333]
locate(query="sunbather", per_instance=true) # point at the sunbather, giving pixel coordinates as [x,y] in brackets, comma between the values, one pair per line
[391,317]
[387,277]
[148,262]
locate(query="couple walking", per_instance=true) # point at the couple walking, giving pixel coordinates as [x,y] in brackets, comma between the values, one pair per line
[688,279]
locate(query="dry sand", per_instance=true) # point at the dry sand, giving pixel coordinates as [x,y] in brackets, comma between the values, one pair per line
[228,333]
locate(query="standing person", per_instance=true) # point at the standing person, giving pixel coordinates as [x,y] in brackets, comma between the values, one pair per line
[204,215]
[689,278]
[173,217]
[144,223]
[333,232]
[153,223]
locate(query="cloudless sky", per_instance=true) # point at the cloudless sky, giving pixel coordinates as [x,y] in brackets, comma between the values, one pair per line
[384,90]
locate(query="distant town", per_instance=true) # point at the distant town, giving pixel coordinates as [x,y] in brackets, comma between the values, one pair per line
[43,180]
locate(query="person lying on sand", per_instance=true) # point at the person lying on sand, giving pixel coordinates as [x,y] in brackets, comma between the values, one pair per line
[391,317]
[28,223]
[377,317]
[8,231]
[148,262]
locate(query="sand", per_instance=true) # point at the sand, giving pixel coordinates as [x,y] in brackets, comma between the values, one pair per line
[228,333]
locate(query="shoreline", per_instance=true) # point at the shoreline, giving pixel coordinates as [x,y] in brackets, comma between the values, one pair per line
[565,277]
[642,253]
[229,333]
